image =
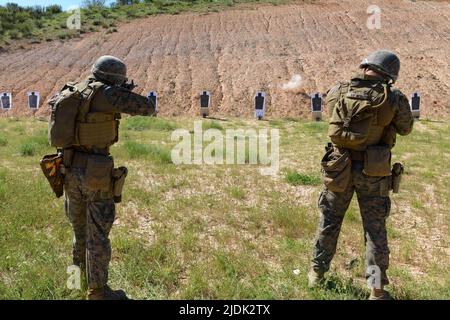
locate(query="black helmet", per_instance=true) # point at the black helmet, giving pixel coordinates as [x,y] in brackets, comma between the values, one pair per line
[110,69]
[384,62]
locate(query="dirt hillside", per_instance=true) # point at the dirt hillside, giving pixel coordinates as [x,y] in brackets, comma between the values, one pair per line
[288,51]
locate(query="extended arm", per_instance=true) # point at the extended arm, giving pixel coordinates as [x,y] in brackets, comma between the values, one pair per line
[403,120]
[117,99]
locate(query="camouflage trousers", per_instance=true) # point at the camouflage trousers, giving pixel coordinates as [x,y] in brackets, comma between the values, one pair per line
[91,215]
[374,205]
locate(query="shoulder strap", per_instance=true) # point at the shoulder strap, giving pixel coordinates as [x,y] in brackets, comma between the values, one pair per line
[344,88]
[68,85]
[87,91]
[387,90]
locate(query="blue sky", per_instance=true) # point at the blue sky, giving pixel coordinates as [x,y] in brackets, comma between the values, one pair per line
[64,3]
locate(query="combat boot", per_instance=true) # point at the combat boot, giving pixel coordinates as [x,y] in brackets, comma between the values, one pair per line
[106,293]
[380,294]
[315,278]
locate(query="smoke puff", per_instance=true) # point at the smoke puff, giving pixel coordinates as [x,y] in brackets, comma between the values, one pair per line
[294,83]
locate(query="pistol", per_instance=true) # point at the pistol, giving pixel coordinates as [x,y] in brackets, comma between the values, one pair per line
[129,85]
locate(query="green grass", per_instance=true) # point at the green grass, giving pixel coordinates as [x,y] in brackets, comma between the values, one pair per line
[211,125]
[33,144]
[297,179]
[315,127]
[27,149]
[237,193]
[140,123]
[225,231]
[291,220]
[137,150]
[3,141]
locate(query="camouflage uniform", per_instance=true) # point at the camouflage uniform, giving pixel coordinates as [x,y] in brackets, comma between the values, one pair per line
[92,217]
[92,212]
[372,194]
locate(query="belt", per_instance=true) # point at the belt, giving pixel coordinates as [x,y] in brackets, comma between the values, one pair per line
[357,155]
[79,159]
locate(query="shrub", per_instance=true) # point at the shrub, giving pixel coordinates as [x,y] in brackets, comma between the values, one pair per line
[53,9]
[63,36]
[3,141]
[27,149]
[15,34]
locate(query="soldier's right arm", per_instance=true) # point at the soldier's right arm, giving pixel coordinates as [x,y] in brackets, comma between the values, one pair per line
[403,120]
[117,99]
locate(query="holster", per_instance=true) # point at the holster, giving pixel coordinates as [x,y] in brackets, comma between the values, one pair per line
[397,172]
[119,175]
[51,166]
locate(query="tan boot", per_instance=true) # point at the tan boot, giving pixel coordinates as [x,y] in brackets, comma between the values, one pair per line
[106,293]
[315,278]
[380,294]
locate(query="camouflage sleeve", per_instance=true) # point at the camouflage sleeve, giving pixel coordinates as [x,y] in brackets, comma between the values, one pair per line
[332,97]
[403,120]
[122,100]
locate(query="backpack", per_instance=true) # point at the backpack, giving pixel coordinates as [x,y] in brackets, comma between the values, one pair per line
[354,114]
[66,106]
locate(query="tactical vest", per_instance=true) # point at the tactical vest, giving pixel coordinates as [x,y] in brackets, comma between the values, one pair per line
[362,115]
[72,124]
[96,129]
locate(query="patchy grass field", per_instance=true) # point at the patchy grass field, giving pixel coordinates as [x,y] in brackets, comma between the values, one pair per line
[222,232]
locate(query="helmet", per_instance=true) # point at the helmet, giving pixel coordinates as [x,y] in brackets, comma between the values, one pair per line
[110,69]
[384,62]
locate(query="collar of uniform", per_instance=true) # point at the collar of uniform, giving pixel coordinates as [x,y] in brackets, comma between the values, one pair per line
[362,77]
[91,78]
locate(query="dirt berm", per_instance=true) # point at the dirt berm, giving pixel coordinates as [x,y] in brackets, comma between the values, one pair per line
[236,52]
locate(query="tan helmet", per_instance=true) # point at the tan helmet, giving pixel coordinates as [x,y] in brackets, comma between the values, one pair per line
[110,70]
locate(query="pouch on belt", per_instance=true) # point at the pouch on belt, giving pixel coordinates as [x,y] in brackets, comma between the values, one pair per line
[99,172]
[336,169]
[377,161]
